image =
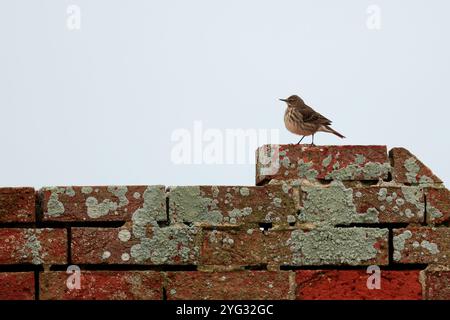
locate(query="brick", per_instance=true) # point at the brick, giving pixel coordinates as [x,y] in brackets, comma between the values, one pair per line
[150,245]
[102,285]
[241,285]
[36,246]
[436,282]
[17,205]
[422,245]
[112,203]
[17,286]
[228,205]
[326,246]
[438,205]
[234,248]
[407,168]
[336,204]
[352,285]
[293,162]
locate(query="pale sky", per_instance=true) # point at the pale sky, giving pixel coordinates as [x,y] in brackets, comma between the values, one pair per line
[98,105]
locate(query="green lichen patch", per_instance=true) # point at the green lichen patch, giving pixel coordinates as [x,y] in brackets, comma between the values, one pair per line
[232,206]
[167,245]
[338,246]
[355,171]
[332,205]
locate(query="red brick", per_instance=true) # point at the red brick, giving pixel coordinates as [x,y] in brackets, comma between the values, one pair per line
[127,245]
[17,205]
[438,205]
[323,162]
[329,246]
[234,248]
[36,246]
[234,205]
[436,282]
[103,285]
[113,203]
[352,285]
[407,168]
[240,285]
[17,286]
[422,245]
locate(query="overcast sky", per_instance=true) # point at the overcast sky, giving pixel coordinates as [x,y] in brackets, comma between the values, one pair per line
[94,92]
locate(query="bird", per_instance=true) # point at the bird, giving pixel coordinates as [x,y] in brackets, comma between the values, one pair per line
[301,119]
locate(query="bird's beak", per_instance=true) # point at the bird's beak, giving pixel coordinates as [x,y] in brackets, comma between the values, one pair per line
[285,100]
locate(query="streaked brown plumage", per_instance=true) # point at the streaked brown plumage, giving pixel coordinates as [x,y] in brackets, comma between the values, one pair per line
[301,119]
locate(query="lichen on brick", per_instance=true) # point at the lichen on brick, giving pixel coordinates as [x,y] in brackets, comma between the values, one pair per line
[333,205]
[412,172]
[193,205]
[369,170]
[97,210]
[399,244]
[305,170]
[167,245]
[32,246]
[55,208]
[351,246]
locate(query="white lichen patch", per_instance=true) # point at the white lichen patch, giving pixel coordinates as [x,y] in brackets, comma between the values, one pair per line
[351,246]
[86,190]
[97,210]
[106,255]
[412,171]
[244,191]
[399,244]
[125,256]
[124,235]
[430,246]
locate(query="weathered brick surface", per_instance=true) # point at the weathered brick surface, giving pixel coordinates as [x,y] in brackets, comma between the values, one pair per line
[436,282]
[422,245]
[336,204]
[17,286]
[408,169]
[113,203]
[438,205]
[135,244]
[328,246]
[322,162]
[17,205]
[234,248]
[352,285]
[228,205]
[103,285]
[241,285]
[36,246]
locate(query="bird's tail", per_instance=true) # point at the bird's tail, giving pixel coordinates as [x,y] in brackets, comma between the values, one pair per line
[330,130]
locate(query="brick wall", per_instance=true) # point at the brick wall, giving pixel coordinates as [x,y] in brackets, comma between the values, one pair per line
[308,230]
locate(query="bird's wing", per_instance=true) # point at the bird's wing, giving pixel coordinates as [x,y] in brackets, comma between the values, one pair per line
[309,115]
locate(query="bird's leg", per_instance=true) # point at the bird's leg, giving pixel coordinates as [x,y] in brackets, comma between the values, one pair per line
[301,139]
[312,142]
